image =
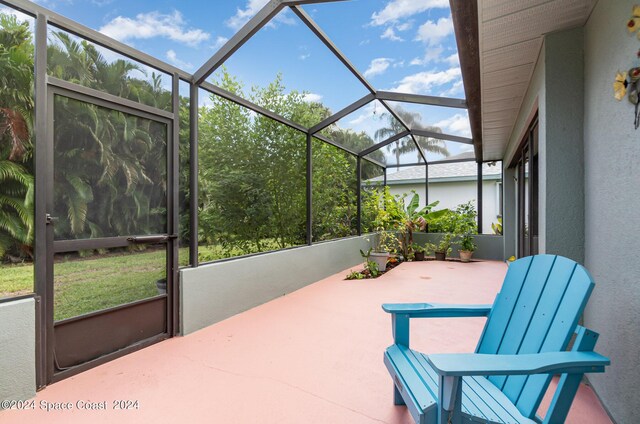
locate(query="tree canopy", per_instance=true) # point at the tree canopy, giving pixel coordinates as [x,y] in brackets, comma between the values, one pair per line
[110,167]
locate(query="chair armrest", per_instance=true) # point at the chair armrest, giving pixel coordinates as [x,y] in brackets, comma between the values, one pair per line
[468,364]
[437,310]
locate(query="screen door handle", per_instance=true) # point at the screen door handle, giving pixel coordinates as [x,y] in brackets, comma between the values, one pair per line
[150,239]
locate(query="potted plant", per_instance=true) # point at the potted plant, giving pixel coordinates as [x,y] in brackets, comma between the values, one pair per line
[444,247]
[161,285]
[418,252]
[467,247]
[380,253]
[465,227]
[412,218]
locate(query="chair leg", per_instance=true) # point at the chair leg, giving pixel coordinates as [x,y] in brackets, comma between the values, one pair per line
[397,397]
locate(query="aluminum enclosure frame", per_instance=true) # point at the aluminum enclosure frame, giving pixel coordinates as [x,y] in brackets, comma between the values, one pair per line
[45,18]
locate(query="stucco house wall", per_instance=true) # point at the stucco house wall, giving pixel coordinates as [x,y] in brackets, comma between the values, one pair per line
[589,174]
[612,201]
[452,193]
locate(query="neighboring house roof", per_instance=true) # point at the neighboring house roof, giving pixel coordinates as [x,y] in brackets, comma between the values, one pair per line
[446,172]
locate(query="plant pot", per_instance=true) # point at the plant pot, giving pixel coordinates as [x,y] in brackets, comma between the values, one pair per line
[380,258]
[465,255]
[441,256]
[418,256]
[161,285]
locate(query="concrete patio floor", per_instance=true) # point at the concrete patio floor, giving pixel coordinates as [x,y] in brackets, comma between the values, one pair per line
[314,356]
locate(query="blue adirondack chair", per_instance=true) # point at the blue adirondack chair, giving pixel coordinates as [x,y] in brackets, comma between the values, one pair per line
[524,343]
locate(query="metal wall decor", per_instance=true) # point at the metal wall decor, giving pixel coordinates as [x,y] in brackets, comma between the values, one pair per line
[628,82]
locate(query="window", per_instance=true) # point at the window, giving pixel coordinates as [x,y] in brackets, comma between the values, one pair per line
[526,165]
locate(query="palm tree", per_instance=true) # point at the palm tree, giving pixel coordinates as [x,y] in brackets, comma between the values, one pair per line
[110,167]
[16,117]
[406,144]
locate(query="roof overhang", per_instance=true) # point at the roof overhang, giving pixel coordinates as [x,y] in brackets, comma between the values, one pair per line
[510,39]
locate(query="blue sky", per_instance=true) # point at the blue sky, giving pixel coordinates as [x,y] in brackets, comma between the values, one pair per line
[400,45]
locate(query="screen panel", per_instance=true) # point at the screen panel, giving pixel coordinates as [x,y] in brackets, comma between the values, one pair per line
[74,59]
[335,196]
[110,172]
[16,153]
[252,182]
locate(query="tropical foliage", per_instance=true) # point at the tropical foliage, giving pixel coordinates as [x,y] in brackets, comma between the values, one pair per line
[16,147]
[110,166]
[406,144]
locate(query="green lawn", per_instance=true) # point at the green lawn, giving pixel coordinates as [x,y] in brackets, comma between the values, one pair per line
[83,285]
[16,280]
[87,285]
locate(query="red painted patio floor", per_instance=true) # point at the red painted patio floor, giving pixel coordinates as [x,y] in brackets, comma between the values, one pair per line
[314,356]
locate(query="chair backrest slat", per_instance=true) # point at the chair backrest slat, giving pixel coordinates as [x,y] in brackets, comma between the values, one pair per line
[558,336]
[552,292]
[503,306]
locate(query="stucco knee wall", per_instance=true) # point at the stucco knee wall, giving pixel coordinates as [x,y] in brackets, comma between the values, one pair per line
[17,350]
[214,292]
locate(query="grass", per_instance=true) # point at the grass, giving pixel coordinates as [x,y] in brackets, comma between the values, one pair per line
[16,280]
[86,285]
[93,283]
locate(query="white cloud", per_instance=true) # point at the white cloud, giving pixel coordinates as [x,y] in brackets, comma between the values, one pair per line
[242,16]
[10,11]
[456,89]
[458,124]
[423,82]
[21,17]
[304,56]
[220,41]
[399,9]
[366,114]
[432,33]
[378,66]
[205,101]
[390,34]
[173,58]
[154,24]
[431,54]
[312,97]
[360,119]
[252,7]
[453,60]
[405,26]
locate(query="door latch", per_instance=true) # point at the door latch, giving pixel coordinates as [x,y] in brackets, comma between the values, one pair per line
[50,219]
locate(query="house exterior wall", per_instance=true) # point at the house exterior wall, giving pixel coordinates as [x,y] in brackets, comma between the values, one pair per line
[589,195]
[534,98]
[562,150]
[612,201]
[451,194]
[556,90]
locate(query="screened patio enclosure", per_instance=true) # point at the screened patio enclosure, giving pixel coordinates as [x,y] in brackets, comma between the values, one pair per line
[121,169]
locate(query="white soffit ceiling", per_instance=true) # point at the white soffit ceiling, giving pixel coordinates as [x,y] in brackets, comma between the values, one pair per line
[511,33]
